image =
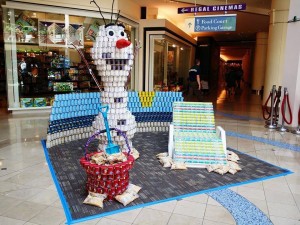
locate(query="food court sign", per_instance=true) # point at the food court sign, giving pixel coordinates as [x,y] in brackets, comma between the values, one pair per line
[211,23]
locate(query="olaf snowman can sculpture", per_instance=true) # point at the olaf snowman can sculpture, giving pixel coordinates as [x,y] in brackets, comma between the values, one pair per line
[113,55]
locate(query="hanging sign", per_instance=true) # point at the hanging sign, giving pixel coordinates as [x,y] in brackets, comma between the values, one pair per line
[212,8]
[211,23]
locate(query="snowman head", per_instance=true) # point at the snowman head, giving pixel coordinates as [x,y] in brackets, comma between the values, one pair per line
[112,50]
[116,33]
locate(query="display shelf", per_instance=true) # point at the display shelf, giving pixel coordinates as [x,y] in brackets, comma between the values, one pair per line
[63,80]
[49,93]
[20,110]
[27,43]
[53,33]
[30,108]
[53,71]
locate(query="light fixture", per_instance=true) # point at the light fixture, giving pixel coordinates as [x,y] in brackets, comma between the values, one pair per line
[173,45]
[181,48]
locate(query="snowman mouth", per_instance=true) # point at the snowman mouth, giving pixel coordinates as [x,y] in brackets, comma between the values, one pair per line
[117,64]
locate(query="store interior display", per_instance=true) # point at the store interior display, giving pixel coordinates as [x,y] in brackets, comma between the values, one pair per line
[36,102]
[168,73]
[43,74]
[48,72]
[46,64]
[26,29]
[53,33]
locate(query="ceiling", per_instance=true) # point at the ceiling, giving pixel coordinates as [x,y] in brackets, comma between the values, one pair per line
[234,44]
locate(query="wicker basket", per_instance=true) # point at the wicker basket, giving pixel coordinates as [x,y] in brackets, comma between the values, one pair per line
[107,179]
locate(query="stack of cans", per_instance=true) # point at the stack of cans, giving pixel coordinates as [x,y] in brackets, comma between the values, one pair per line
[195,140]
[107,179]
[71,117]
[153,110]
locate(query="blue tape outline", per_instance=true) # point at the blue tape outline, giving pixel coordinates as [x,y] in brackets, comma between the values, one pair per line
[71,221]
[243,153]
[178,197]
[239,117]
[264,140]
[58,188]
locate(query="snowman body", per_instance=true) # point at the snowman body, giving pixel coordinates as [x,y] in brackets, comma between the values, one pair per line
[113,57]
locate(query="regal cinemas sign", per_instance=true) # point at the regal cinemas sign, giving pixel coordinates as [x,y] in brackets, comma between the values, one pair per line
[213,8]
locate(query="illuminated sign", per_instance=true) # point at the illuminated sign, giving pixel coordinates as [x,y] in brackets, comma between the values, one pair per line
[211,23]
[213,8]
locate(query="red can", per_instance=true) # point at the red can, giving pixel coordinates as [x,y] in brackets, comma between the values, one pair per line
[104,177]
[105,190]
[108,184]
[82,161]
[112,191]
[110,177]
[127,166]
[121,182]
[90,187]
[102,183]
[115,183]
[93,169]
[86,165]
[119,190]
[89,179]
[117,169]
[123,168]
[110,197]
[130,161]
[110,170]
[104,170]
[99,190]
[97,170]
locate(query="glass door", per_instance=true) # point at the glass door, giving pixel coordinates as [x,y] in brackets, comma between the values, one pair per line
[159,64]
[169,64]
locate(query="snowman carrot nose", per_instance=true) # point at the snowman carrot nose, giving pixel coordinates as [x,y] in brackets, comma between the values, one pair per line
[122,43]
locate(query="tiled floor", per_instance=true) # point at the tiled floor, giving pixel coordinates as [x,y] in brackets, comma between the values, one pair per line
[28,195]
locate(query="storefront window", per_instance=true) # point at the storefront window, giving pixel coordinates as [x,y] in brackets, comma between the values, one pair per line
[41,60]
[170,64]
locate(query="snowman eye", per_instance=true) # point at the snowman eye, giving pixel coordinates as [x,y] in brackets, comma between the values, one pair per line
[122,33]
[110,33]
